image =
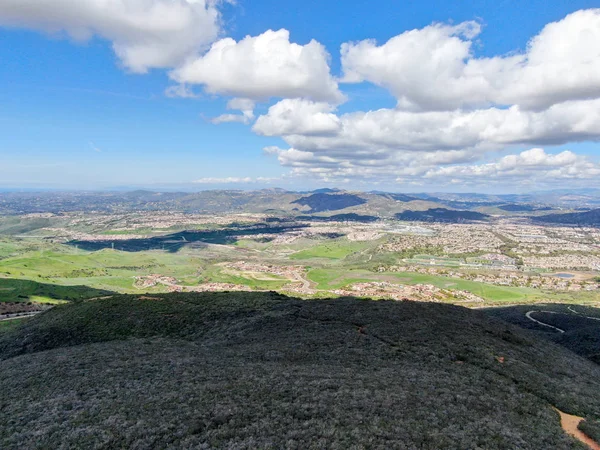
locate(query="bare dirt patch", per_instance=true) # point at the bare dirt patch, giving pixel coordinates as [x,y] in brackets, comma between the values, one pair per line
[570,425]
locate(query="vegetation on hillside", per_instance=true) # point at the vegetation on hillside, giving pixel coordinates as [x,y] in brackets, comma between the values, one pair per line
[12,290]
[321,202]
[581,325]
[441,215]
[590,218]
[243,370]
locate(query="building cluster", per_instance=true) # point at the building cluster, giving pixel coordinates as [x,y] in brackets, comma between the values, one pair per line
[451,239]
[422,292]
[515,279]
[565,261]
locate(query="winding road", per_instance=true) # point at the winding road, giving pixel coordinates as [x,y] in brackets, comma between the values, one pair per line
[574,313]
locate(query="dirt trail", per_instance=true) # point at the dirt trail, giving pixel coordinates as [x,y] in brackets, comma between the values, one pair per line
[528,315]
[575,313]
[6,317]
[581,314]
[570,423]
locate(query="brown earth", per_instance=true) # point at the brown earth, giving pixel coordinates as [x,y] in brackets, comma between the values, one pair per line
[570,424]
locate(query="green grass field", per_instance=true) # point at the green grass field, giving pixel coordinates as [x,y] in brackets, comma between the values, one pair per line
[216,274]
[8,325]
[339,278]
[13,290]
[437,260]
[337,249]
[45,272]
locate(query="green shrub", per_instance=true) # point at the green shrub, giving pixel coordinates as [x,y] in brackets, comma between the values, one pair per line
[260,370]
[591,428]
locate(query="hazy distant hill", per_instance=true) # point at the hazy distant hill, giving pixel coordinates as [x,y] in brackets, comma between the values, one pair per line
[441,215]
[591,218]
[271,201]
[259,370]
[517,208]
[398,197]
[330,202]
[350,217]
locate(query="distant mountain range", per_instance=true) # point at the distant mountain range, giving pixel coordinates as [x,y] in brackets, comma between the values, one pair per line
[569,207]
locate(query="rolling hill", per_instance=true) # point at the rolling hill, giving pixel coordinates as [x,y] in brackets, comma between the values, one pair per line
[442,215]
[260,370]
[574,327]
[322,202]
[588,218]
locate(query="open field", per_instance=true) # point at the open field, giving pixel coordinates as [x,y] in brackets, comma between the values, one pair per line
[7,325]
[15,290]
[336,279]
[336,249]
[84,255]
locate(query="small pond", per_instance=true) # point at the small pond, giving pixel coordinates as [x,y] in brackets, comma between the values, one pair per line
[566,276]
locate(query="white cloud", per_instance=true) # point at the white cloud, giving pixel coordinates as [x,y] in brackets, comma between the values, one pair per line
[307,126]
[261,67]
[230,118]
[241,104]
[448,115]
[534,166]
[180,91]
[434,68]
[246,106]
[531,166]
[416,64]
[145,34]
[298,116]
[453,111]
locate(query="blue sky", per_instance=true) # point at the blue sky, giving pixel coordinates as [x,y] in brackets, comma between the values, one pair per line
[74,115]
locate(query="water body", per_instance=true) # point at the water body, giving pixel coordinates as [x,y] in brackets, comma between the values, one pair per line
[566,276]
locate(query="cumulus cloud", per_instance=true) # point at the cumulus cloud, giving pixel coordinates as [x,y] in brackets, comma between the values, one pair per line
[531,166]
[434,68]
[230,118]
[261,67]
[298,116]
[309,127]
[145,34]
[454,110]
[246,106]
[534,166]
[241,104]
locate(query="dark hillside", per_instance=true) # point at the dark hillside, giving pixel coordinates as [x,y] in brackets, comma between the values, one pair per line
[441,215]
[350,217]
[330,202]
[581,325]
[242,370]
[589,218]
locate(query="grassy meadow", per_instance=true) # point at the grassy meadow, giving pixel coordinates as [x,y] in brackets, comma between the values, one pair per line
[41,270]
